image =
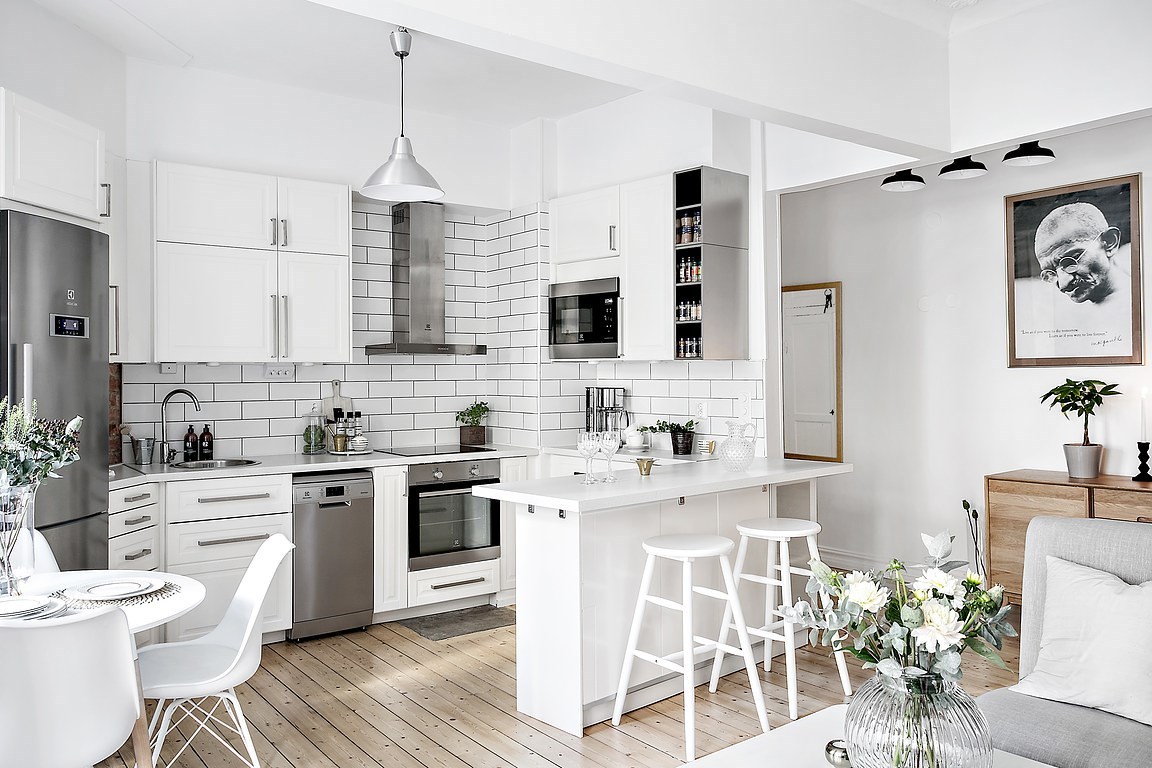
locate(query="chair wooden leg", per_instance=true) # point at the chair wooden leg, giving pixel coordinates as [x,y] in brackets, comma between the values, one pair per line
[140,730]
[633,639]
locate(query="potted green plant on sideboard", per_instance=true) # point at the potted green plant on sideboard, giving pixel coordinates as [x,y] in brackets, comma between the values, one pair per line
[471,429]
[1081,398]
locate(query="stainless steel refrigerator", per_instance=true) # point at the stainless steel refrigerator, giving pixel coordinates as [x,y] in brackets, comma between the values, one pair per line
[54,326]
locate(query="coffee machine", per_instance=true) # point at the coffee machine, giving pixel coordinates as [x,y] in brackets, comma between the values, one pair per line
[604,409]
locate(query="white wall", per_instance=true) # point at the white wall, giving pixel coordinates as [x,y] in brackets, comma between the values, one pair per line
[1060,64]
[930,406]
[56,64]
[209,118]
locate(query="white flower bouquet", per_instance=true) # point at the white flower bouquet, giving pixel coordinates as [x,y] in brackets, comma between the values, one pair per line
[903,629]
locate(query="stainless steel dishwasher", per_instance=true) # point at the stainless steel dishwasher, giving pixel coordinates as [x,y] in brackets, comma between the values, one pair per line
[332,565]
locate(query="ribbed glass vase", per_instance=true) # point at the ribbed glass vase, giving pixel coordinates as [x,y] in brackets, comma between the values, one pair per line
[916,722]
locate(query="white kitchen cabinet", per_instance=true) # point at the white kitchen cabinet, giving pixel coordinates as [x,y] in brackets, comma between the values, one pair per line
[135,521]
[314,216]
[130,269]
[585,226]
[565,466]
[209,206]
[216,304]
[646,328]
[453,582]
[50,159]
[390,539]
[511,471]
[315,305]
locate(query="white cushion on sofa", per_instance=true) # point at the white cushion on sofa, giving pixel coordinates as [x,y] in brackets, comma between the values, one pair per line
[1095,644]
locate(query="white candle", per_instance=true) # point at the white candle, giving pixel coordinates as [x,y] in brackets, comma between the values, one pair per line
[1144,415]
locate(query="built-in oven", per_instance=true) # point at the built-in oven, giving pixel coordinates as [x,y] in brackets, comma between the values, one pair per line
[447,525]
[584,319]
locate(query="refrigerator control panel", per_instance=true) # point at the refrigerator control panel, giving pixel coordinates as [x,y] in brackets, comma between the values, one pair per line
[70,325]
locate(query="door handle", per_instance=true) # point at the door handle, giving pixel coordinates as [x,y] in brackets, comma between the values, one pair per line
[233,540]
[611,237]
[142,553]
[138,520]
[107,200]
[332,504]
[284,326]
[1142,519]
[244,497]
[275,327]
[22,383]
[465,582]
[283,233]
[138,497]
[115,291]
[273,220]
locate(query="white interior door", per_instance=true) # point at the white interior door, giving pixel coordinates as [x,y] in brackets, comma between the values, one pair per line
[646,287]
[208,206]
[215,304]
[315,217]
[811,378]
[315,306]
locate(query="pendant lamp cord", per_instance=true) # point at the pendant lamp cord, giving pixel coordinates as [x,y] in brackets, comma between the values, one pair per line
[401,95]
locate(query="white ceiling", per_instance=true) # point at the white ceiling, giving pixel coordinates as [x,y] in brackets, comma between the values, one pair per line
[311,46]
[950,16]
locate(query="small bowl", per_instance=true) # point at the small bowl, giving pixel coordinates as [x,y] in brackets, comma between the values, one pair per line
[836,753]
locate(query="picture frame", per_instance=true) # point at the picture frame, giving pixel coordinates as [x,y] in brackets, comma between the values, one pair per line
[1074,275]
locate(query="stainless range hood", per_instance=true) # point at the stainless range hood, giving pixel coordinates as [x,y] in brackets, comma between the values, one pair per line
[418,285]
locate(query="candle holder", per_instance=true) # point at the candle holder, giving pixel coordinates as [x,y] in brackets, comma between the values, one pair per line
[1143,476]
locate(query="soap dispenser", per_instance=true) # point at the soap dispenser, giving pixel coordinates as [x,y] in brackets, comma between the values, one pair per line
[191,445]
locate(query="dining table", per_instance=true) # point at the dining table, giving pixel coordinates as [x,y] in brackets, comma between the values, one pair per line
[178,595]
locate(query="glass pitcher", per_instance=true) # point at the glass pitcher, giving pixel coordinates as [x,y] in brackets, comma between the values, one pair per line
[738,449]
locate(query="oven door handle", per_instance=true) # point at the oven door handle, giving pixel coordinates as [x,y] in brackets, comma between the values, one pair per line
[453,492]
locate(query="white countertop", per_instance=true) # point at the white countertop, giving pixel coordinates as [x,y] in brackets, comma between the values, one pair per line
[693,479]
[129,475]
[627,454]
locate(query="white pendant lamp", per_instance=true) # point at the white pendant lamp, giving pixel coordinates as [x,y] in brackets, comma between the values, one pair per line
[401,179]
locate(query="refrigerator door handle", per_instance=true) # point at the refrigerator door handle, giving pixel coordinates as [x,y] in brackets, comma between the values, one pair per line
[22,384]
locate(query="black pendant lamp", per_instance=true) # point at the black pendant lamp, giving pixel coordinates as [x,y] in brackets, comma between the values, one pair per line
[963,168]
[1029,153]
[902,181]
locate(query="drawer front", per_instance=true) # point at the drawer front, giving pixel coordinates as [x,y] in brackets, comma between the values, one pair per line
[209,540]
[138,551]
[228,497]
[451,582]
[130,498]
[1133,506]
[1011,506]
[133,520]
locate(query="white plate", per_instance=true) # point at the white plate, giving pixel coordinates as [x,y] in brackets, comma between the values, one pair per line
[21,605]
[55,607]
[114,589]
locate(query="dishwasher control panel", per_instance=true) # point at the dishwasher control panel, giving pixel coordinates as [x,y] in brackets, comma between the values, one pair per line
[331,489]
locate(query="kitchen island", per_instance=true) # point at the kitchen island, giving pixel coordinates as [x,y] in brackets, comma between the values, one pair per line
[579,561]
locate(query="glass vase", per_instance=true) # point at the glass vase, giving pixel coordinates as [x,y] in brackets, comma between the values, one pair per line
[17,544]
[919,721]
[737,450]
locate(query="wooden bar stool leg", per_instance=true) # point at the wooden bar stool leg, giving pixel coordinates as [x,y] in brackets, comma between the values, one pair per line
[633,638]
[841,663]
[769,601]
[789,630]
[745,643]
[722,636]
[689,668]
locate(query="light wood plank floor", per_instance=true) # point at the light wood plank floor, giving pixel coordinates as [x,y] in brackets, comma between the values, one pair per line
[389,697]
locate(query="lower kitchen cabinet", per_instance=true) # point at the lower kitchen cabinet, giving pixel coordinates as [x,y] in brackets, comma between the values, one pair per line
[390,561]
[511,471]
[438,585]
[134,538]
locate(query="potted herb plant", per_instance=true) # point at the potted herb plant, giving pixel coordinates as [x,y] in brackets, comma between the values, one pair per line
[471,430]
[1081,398]
[682,435]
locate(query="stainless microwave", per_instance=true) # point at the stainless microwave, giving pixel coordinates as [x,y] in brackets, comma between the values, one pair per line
[584,319]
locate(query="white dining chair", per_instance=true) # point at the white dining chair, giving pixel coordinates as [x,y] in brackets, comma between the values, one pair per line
[45,561]
[184,676]
[69,696]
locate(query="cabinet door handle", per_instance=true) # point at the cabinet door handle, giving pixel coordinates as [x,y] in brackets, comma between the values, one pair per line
[284,327]
[465,582]
[611,237]
[1143,519]
[139,497]
[114,291]
[283,233]
[233,540]
[107,200]
[244,497]
[275,327]
[138,520]
[142,553]
[273,220]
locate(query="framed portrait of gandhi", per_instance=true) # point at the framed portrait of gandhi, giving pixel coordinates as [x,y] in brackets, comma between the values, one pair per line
[1074,290]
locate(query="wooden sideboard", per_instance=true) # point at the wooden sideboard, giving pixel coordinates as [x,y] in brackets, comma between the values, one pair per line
[1012,499]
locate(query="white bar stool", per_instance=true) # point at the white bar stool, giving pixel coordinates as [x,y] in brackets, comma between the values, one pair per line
[780,530]
[688,548]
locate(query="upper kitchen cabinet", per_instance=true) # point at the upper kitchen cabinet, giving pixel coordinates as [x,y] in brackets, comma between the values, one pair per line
[209,206]
[50,159]
[130,244]
[586,228]
[645,285]
[315,304]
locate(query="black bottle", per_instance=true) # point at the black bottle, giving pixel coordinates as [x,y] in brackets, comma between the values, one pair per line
[206,444]
[191,445]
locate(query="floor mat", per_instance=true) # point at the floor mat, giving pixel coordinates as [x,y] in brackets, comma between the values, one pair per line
[443,626]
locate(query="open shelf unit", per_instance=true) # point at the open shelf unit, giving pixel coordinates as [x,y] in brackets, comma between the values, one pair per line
[710,264]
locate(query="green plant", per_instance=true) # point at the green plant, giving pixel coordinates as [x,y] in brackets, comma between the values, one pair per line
[1079,397]
[473,414]
[664,426]
[31,449]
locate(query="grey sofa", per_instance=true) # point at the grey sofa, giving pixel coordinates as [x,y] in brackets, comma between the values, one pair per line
[1064,735]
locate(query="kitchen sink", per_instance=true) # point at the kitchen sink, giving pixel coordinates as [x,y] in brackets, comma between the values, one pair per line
[214,464]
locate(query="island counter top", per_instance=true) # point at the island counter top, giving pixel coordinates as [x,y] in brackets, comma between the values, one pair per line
[665,482]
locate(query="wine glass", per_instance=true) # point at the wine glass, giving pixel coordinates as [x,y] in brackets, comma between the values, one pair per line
[609,444]
[588,444]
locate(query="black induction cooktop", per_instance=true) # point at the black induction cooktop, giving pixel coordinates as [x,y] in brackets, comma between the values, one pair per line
[433,450]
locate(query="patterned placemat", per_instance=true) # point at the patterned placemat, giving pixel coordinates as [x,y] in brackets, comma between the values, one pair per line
[167,590]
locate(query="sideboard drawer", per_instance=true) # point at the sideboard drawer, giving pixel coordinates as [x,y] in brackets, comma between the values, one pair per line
[1011,506]
[1133,506]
